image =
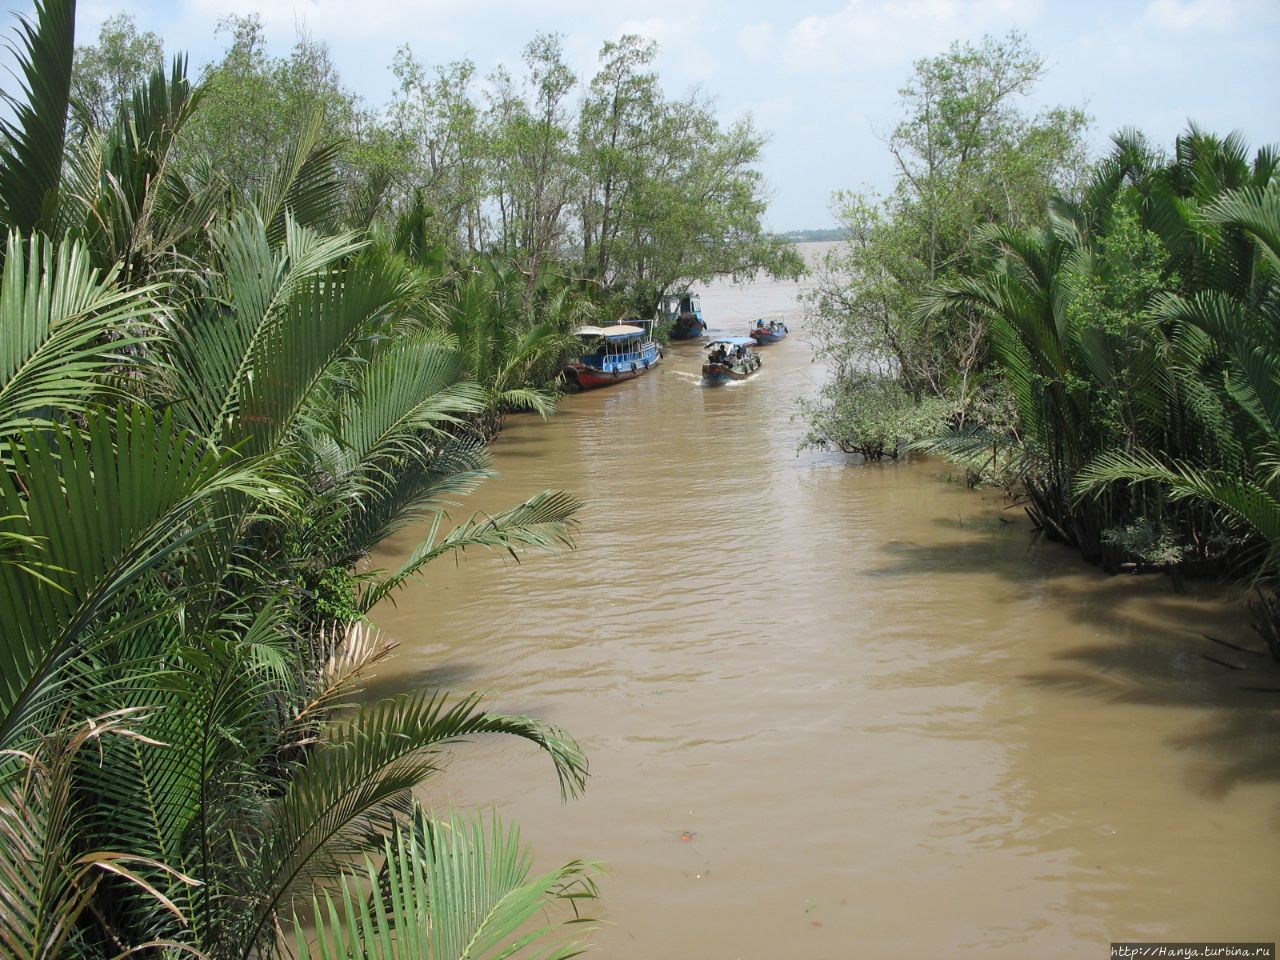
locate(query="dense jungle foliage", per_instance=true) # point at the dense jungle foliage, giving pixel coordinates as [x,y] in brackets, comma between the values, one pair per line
[249,329]
[1101,337]
[609,181]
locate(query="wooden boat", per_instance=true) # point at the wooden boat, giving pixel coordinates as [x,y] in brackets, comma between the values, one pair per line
[768,330]
[730,359]
[618,352]
[684,312]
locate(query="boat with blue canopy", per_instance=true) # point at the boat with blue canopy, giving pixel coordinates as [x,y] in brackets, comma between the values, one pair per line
[730,358]
[616,352]
[768,330]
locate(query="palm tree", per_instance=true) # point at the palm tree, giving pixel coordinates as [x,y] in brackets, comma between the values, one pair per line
[1102,325]
[1236,322]
[182,460]
[512,346]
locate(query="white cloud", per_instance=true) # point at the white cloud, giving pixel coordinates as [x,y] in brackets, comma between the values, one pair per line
[759,41]
[772,113]
[1182,15]
[685,52]
[879,33]
[330,19]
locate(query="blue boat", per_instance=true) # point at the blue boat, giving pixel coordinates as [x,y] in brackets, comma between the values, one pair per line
[730,358]
[618,352]
[768,330]
[685,314]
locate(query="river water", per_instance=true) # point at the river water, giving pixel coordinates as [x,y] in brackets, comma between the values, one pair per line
[837,709]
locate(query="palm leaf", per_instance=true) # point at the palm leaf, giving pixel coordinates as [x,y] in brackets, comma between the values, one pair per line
[107,507]
[408,394]
[316,328]
[31,144]
[359,646]
[353,787]
[307,188]
[422,484]
[1257,212]
[218,339]
[47,880]
[459,889]
[126,194]
[1248,502]
[541,522]
[63,327]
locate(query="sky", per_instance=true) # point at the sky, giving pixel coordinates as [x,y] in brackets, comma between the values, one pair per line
[821,78]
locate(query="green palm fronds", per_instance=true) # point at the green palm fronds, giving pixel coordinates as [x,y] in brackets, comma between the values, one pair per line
[448,890]
[64,327]
[208,417]
[31,143]
[1137,335]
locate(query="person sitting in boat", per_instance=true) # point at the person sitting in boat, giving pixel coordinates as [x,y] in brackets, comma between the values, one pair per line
[718,355]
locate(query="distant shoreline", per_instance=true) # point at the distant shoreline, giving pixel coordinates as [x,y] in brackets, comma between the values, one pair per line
[813,236]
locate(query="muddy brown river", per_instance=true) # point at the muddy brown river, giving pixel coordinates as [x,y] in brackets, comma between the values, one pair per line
[837,709]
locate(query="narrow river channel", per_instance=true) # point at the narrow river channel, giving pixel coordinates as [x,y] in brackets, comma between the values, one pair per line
[840,710]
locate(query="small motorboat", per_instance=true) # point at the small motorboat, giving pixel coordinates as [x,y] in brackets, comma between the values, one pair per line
[768,330]
[730,359]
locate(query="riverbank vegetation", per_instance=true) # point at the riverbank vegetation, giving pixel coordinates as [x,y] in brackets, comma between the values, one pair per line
[1100,337]
[248,330]
[608,180]
[966,156]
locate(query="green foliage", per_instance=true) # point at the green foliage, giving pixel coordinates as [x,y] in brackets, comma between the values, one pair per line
[966,157]
[31,140]
[212,407]
[258,106]
[872,415]
[1136,333]
[107,73]
[466,888]
[514,338]
[336,595]
[668,195]
[638,193]
[531,167]
[441,144]
[64,328]
[134,207]
[49,881]
[1151,546]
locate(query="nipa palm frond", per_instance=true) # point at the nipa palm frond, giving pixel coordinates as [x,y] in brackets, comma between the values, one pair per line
[106,508]
[457,889]
[354,786]
[541,522]
[63,328]
[31,144]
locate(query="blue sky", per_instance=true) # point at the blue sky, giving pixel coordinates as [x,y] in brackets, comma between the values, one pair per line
[821,77]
